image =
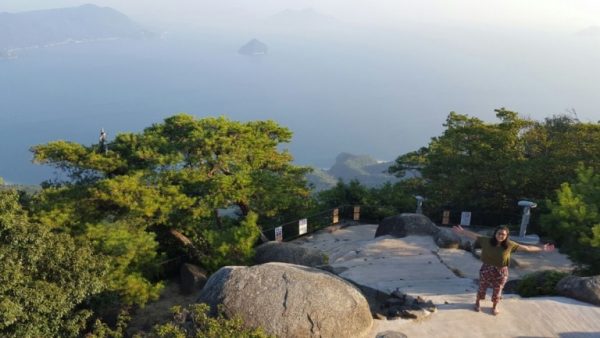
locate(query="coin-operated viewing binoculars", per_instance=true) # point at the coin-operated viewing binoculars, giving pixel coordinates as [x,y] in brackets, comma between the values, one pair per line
[420,200]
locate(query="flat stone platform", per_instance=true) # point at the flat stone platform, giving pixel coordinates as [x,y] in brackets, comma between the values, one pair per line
[417,266]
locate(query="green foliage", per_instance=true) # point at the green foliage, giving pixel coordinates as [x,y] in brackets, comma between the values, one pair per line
[45,278]
[325,258]
[102,330]
[376,203]
[232,245]
[574,219]
[352,193]
[540,283]
[174,175]
[194,321]
[487,167]
[473,165]
[131,253]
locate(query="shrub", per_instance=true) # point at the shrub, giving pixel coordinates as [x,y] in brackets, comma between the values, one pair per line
[194,321]
[540,283]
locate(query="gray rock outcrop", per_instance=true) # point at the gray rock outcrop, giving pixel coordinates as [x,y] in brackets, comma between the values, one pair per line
[416,224]
[447,239]
[289,300]
[289,253]
[585,289]
[406,224]
[397,304]
[409,307]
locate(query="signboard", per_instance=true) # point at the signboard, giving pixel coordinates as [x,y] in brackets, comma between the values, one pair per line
[336,216]
[356,213]
[446,217]
[302,226]
[465,218]
[279,234]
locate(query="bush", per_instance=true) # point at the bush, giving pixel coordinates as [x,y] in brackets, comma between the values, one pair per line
[540,283]
[194,321]
[46,279]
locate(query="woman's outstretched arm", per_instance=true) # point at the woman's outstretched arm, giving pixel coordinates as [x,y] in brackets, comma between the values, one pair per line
[460,231]
[534,248]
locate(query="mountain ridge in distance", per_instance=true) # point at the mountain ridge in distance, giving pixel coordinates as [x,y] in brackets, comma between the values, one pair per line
[51,27]
[363,168]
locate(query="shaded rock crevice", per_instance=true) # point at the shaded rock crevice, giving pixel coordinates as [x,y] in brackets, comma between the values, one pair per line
[286,293]
[396,305]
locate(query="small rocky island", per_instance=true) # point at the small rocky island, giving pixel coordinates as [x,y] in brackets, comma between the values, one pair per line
[253,47]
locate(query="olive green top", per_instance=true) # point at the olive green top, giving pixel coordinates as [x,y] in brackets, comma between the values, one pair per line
[495,255]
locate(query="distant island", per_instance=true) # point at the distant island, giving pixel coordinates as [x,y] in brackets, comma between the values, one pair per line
[347,167]
[52,27]
[253,47]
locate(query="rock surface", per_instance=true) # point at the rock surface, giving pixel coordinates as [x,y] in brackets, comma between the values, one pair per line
[286,252]
[289,300]
[192,278]
[446,239]
[407,224]
[418,267]
[585,289]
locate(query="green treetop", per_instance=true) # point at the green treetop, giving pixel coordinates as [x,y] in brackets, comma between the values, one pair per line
[172,178]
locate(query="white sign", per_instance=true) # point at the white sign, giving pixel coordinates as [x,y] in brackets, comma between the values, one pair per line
[302,226]
[279,234]
[465,218]
[336,216]
[356,213]
[446,217]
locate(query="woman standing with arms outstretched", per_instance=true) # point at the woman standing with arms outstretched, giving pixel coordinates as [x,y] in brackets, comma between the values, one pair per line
[495,258]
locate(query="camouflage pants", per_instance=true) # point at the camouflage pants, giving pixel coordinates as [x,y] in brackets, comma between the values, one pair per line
[494,277]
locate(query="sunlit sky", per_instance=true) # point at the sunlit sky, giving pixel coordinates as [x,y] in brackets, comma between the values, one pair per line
[536,14]
[392,68]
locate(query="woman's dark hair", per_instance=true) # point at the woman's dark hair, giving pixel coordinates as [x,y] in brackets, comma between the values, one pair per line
[504,243]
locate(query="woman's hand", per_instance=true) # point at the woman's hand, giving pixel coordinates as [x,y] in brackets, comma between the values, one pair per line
[462,232]
[548,247]
[458,229]
[534,248]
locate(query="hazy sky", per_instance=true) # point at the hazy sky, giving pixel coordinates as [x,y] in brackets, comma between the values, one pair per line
[392,68]
[536,14]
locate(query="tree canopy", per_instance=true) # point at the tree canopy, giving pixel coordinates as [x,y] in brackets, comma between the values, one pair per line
[487,167]
[46,278]
[573,219]
[175,177]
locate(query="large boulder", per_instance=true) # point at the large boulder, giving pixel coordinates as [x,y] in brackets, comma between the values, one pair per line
[289,253]
[289,300]
[585,289]
[406,224]
[416,224]
[447,239]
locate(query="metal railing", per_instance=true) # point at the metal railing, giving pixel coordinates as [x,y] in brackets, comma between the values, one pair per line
[311,223]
